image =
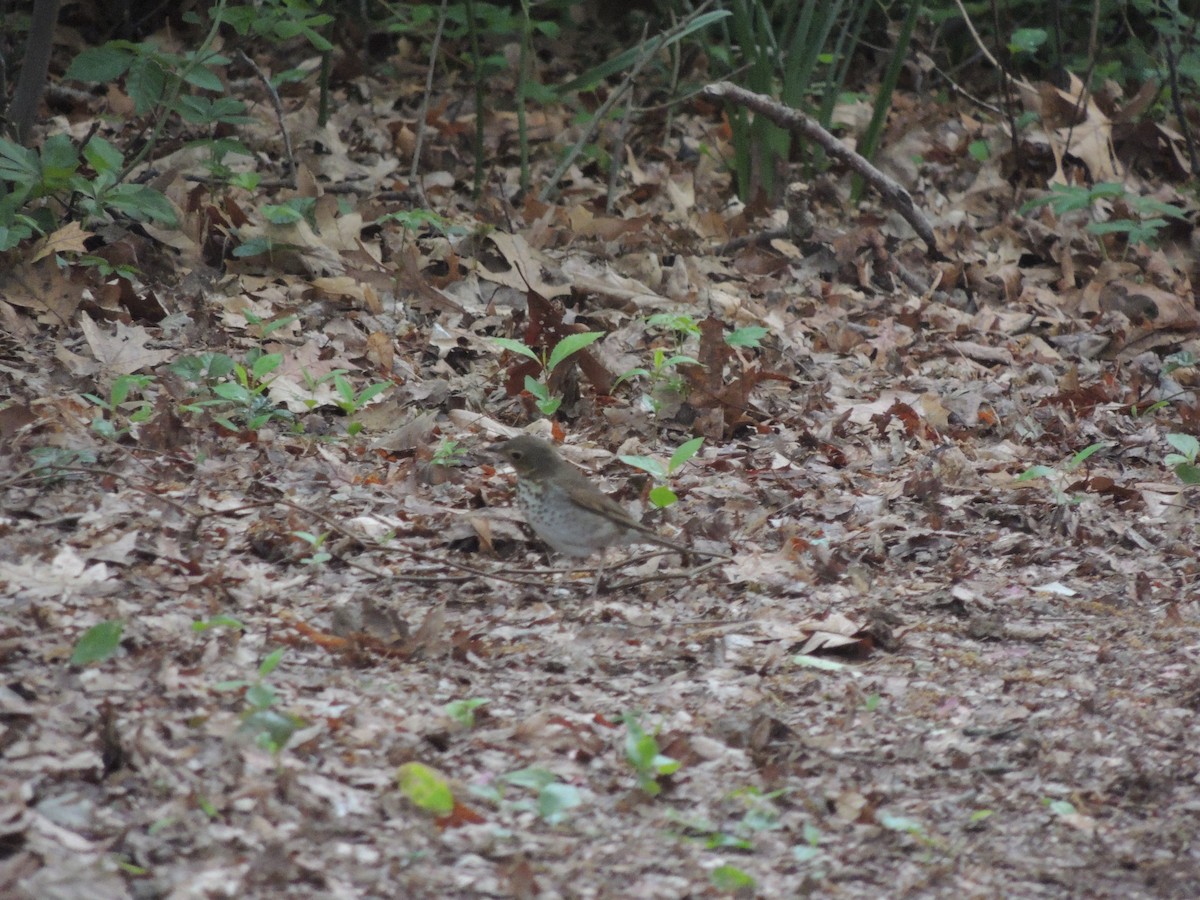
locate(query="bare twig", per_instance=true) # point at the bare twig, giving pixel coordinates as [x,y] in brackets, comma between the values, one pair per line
[415,169]
[289,157]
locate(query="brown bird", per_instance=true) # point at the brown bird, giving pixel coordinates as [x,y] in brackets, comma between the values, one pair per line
[566,510]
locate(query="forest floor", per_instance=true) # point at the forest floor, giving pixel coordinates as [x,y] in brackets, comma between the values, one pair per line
[263,635]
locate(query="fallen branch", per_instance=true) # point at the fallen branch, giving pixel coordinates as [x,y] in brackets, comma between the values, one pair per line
[794,120]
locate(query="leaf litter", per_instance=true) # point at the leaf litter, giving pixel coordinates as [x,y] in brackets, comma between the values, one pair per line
[918,674]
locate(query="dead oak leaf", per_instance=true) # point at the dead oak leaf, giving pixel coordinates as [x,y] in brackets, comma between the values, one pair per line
[122,353]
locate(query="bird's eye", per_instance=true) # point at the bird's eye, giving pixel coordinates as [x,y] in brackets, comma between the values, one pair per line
[516,454]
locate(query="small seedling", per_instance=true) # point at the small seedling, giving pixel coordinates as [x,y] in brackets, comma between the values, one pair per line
[270,728]
[105,425]
[553,801]
[316,541]
[448,453]
[572,343]
[642,753]
[1184,461]
[1055,477]
[662,496]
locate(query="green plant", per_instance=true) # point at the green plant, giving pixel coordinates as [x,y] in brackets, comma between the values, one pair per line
[1140,223]
[448,453]
[1056,477]
[218,622]
[350,401]
[1184,461]
[49,459]
[642,753]
[553,799]
[572,343]
[232,389]
[760,814]
[29,176]
[790,51]
[316,542]
[268,727]
[810,850]
[662,496]
[105,424]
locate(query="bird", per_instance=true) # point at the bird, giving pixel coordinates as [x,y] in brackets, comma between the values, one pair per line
[569,513]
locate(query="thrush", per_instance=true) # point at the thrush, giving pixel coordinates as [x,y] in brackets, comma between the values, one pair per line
[564,508]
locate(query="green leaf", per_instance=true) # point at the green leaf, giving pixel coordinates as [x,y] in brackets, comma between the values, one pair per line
[685,452]
[1086,452]
[99,64]
[980,151]
[218,622]
[901,823]
[272,729]
[146,84]
[272,660]
[1060,807]
[98,643]
[572,343]
[425,788]
[266,364]
[1188,473]
[731,879]
[18,163]
[750,336]
[646,464]
[556,799]
[591,78]
[261,696]
[662,497]
[1027,40]
[515,347]
[1186,444]
[102,155]
[530,777]
[1035,472]
[535,387]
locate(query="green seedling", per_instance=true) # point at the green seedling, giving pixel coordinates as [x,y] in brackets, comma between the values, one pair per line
[1141,226]
[642,753]
[316,541]
[268,727]
[118,403]
[1055,477]
[553,799]
[662,495]
[572,343]
[1183,462]
[449,453]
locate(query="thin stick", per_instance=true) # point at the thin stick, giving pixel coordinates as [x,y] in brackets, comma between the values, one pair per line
[290,158]
[416,160]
